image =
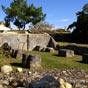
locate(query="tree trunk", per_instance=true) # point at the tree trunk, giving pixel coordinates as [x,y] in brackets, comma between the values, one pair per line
[24,27]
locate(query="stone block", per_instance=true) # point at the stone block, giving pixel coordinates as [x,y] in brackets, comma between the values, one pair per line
[49,49]
[65,53]
[16,53]
[85,58]
[45,82]
[38,48]
[6,69]
[31,60]
[44,49]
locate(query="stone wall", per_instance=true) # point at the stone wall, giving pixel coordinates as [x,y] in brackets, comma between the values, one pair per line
[26,41]
[16,41]
[38,40]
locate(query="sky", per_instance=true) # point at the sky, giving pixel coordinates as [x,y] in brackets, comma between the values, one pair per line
[59,13]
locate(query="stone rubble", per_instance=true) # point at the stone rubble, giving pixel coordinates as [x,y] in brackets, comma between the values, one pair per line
[68,78]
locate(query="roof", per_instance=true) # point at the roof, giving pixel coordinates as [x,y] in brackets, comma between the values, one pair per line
[2,27]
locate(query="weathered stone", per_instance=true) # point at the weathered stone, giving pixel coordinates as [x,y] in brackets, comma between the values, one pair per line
[16,83]
[85,58]
[27,41]
[52,43]
[76,78]
[43,40]
[6,46]
[45,82]
[17,53]
[38,48]
[49,49]
[65,53]
[6,69]
[19,69]
[68,85]
[61,81]
[64,84]
[81,85]
[1,86]
[44,49]
[31,60]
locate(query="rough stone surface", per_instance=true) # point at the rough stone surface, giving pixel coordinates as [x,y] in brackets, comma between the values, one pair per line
[44,49]
[45,82]
[6,69]
[65,53]
[16,53]
[31,60]
[67,78]
[16,41]
[27,41]
[19,69]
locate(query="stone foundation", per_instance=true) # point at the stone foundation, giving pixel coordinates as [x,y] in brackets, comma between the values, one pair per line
[27,41]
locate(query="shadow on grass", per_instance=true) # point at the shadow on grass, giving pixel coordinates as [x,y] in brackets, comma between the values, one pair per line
[82,62]
[55,55]
[58,55]
[17,64]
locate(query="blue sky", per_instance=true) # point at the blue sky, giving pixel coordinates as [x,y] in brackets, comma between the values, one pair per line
[60,13]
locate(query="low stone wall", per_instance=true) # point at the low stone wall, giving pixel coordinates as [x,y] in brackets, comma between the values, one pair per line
[27,41]
[16,41]
[80,50]
[38,40]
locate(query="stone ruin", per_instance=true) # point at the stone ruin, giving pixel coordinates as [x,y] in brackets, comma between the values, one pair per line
[66,53]
[31,60]
[16,44]
[27,41]
[71,49]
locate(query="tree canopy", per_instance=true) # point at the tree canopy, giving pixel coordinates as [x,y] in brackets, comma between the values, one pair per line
[20,14]
[81,25]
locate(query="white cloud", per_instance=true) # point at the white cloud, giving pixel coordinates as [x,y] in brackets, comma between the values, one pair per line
[64,20]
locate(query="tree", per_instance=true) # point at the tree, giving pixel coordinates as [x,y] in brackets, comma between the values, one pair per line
[21,14]
[41,26]
[72,26]
[81,32]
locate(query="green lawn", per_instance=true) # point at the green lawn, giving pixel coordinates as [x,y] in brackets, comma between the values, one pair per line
[49,60]
[67,43]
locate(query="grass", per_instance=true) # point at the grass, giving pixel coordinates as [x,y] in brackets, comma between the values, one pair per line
[67,43]
[49,61]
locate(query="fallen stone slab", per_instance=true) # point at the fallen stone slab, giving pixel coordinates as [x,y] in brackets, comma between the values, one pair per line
[65,53]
